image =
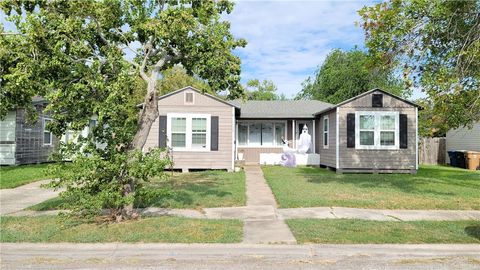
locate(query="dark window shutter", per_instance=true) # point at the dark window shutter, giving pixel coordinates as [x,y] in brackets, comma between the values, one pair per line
[403,131]
[162,131]
[350,130]
[377,100]
[214,133]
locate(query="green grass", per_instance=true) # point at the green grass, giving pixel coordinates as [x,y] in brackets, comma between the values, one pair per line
[14,176]
[189,190]
[348,231]
[433,187]
[153,230]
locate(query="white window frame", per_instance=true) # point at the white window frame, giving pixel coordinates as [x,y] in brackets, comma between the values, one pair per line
[377,129]
[325,132]
[261,122]
[188,137]
[46,119]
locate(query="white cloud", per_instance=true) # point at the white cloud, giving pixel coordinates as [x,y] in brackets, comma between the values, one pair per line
[287,40]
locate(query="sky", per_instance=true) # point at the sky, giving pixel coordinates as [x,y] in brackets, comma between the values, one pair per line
[289,40]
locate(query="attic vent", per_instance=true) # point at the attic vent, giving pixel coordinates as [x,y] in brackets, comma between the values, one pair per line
[377,100]
[189,98]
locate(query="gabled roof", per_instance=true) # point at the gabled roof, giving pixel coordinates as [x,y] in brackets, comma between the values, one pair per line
[200,92]
[279,108]
[366,93]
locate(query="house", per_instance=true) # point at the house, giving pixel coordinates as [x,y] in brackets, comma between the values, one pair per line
[463,138]
[23,143]
[373,132]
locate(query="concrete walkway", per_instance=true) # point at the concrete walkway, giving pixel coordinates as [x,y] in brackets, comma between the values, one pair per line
[261,223]
[377,214]
[237,256]
[16,199]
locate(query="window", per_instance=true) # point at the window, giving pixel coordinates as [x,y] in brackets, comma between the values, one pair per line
[387,130]
[188,132]
[377,130]
[261,134]
[179,132]
[367,129]
[199,132]
[47,135]
[325,132]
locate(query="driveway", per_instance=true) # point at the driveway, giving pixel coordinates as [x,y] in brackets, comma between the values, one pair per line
[16,199]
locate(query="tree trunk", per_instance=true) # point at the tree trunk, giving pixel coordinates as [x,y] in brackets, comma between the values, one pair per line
[148,114]
[147,117]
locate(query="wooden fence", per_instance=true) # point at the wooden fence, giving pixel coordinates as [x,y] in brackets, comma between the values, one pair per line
[432,151]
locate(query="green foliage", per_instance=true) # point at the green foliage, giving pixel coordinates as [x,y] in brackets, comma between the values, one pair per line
[437,44]
[431,123]
[344,75]
[94,183]
[265,90]
[78,54]
[176,78]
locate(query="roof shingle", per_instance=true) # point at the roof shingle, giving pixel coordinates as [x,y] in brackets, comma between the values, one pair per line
[280,108]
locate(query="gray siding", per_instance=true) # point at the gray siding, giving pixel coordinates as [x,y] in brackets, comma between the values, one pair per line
[221,159]
[327,155]
[30,147]
[400,159]
[463,139]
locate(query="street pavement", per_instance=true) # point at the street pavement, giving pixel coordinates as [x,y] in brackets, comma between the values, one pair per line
[238,256]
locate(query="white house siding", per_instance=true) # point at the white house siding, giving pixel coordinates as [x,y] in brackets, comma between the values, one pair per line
[7,139]
[463,139]
[221,159]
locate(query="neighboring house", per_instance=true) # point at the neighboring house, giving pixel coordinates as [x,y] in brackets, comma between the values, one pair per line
[372,132]
[22,143]
[463,138]
[375,131]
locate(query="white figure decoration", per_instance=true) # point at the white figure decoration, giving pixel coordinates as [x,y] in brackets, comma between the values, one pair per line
[305,141]
[288,157]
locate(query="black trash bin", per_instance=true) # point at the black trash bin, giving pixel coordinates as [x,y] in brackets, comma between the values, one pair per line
[453,158]
[461,159]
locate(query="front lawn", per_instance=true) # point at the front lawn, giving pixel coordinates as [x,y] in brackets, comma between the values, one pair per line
[433,187]
[14,176]
[49,229]
[350,231]
[186,190]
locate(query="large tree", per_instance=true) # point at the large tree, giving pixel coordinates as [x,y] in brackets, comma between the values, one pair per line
[345,74]
[437,45]
[262,90]
[86,57]
[176,78]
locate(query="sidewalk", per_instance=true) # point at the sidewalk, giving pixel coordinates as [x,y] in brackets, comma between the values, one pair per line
[262,225]
[16,199]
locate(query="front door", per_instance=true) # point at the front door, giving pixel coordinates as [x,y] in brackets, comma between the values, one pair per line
[298,131]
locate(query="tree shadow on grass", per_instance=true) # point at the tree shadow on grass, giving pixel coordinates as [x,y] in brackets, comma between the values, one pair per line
[417,184]
[473,231]
[186,190]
